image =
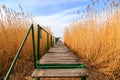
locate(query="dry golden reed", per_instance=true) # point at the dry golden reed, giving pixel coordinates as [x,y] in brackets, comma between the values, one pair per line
[97,40]
[13,27]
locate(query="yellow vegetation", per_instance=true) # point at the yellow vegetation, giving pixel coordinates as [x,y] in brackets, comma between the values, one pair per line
[13,27]
[97,40]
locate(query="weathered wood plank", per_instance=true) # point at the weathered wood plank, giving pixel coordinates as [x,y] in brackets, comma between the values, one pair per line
[59,73]
[59,50]
[59,55]
[61,58]
[60,62]
[58,58]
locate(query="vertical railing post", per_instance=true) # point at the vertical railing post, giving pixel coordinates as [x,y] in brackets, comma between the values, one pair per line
[50,40]
[33,44]
[47,43]
[83,78]
[53,40]
[38,45]
[56,40]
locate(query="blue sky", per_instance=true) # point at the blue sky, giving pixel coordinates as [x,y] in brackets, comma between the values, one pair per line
[55,14]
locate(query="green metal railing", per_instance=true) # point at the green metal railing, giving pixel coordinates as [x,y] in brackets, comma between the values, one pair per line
[56,40]
[19,51]
[50,41]
[60,66]
[36,53]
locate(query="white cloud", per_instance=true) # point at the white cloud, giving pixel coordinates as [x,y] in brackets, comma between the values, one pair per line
[52,2]
[58,21]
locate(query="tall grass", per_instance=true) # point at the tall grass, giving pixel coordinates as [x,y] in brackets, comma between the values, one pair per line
[13,27]
[97,40]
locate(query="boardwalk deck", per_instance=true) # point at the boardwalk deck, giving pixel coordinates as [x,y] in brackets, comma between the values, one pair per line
[58,73]
[59,54]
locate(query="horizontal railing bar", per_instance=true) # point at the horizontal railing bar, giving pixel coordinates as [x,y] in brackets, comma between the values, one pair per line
[33,46]
[60,66]
[45,30]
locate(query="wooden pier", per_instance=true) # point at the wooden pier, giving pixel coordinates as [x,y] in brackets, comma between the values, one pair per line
[60,62]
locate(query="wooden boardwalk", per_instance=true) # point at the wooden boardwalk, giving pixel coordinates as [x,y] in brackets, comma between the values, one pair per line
[60,55]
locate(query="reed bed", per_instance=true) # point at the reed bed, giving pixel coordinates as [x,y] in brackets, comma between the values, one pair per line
[96,39]
[13,27]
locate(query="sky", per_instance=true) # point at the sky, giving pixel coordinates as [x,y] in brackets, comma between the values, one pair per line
[56,14]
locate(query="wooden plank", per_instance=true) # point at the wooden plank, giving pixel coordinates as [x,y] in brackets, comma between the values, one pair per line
[59,62]
[59,55]
[59,59]
[59,50]
[63,47]
[59,73]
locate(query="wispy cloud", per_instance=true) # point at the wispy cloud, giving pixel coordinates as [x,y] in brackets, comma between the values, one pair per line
[58,21]
[63,16]
[53,13]
[53,2]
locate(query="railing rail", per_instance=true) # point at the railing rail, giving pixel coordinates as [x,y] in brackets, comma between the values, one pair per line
[47,37]
[45,30]
[36,51]
[18,53]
